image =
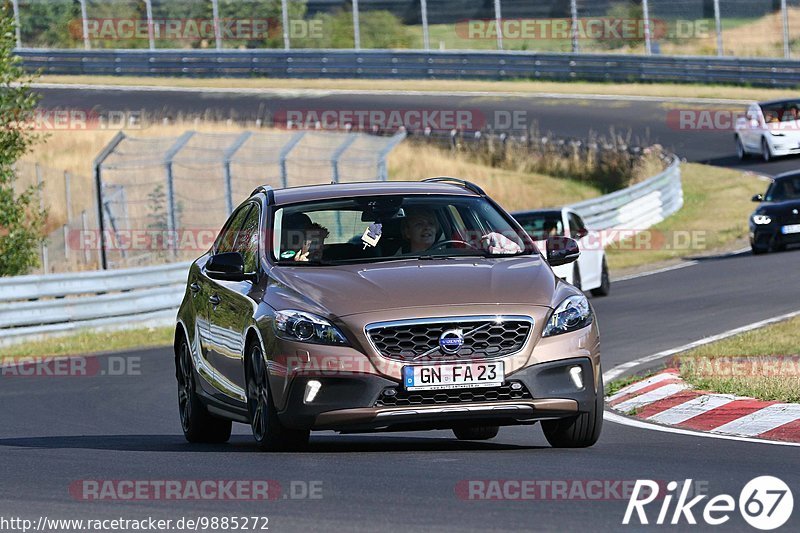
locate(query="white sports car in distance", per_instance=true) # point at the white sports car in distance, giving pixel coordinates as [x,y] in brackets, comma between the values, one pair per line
[769,129]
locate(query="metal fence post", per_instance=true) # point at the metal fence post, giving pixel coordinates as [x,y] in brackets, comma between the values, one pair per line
[426,38]
[85,228]
[718,23]
[285,23]
[39,186]
[66,242]
[498,20]
[215,14]
[787,53]
[150,30]
[356,27]
[573,7]
[284,155]
[172,221]
[68,196]
[648,45]
[18,31]
[98,184]
[337,154]
[397,138]
[229,153]
[85,26]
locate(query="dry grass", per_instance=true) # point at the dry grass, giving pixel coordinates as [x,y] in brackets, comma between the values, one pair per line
[745,377]
[514,190]
[89,342]
[667,90]
[714,215]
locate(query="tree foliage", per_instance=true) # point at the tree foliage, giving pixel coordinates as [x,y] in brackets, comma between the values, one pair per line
[21,220]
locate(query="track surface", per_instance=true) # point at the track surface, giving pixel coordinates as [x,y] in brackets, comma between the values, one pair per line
[58,430]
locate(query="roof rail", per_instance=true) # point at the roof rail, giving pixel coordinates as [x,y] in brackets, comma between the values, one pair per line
[457,181]
[267,190]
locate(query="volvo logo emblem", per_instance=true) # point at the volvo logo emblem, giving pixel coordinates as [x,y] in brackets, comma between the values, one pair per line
[451,341]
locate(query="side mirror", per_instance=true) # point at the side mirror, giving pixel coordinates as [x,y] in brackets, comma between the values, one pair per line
[562,250]
[758,198]
[228,266]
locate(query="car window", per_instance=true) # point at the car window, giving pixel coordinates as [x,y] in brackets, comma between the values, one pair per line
[576,224]
[385,227]
[227,238]
[784,189]
[248,239]
[540,226]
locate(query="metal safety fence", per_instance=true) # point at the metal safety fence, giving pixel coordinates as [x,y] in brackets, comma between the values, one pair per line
[741,28]
[164,198]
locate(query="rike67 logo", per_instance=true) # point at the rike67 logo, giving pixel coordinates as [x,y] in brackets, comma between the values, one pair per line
[765,503]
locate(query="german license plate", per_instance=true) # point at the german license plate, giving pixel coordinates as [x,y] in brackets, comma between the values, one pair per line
[794,228]
[456,376]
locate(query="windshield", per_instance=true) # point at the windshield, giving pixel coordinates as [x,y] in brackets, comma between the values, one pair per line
[381,228]
[781,112]
[540,226]
[784,189]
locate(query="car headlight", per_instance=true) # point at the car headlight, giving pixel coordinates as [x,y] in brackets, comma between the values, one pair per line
[761,219]
[572,314]
[305,327]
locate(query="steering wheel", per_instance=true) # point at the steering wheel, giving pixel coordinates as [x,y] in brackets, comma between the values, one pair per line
[452,241]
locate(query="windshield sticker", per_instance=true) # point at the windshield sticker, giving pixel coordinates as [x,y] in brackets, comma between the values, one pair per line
[288,254]
[372,235]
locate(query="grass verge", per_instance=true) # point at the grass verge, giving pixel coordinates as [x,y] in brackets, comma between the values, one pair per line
[88,342]
[751,364]
[714,215]
[666,90]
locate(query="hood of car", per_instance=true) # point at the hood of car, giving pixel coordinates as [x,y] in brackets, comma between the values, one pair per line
[361,288]
[785,207]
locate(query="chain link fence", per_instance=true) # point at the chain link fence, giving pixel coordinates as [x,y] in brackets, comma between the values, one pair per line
[164,198]
[741,28]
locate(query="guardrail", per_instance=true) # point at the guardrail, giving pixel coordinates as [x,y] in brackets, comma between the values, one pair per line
[415,64]
[637,207]
[33,307]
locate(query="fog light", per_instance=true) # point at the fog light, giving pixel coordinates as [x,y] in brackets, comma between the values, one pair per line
[516,386]
[312,388]
[576,374]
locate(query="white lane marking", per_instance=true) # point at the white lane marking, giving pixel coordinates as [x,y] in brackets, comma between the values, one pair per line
[650,397]
[618,370]
[632,422]
[379,92]
[633,387]
[653,272]
[761,421]
[692,408]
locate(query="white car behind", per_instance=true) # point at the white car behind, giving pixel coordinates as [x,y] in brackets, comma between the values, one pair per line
[769,129]
[590,271]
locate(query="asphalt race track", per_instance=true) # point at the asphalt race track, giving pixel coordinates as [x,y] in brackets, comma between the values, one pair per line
[57,431]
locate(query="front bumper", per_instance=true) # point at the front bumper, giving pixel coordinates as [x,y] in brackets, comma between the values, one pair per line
[352,403]
[771,236]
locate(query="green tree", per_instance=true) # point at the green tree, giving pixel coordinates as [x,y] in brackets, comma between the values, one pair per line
[21,220]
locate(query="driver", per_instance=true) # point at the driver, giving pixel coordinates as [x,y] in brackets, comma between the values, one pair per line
[419,230]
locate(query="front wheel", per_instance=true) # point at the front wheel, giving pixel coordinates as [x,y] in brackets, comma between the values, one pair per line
[766,152]
[579,431]
[476,432]
[198,425]
[270,434]
[605,282]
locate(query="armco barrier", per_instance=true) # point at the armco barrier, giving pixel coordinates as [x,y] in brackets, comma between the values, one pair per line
[32,307]
[36,306]
[415,64]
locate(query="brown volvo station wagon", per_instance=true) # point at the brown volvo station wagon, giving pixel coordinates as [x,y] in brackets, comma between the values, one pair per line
[389,306]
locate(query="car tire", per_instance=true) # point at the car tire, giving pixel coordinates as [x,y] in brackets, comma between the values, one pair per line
[740,150]
[197,423]
[476,432]
[576,277]
[605,281]
[268,431]
[757,251]
[766,153]
[579,431]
